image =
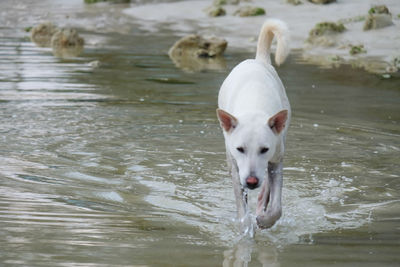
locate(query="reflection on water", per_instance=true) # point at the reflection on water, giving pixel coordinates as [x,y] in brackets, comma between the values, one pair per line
[241,254]
[123,164]
[196,64]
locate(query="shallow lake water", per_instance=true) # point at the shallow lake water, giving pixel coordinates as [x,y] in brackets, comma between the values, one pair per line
[124,165]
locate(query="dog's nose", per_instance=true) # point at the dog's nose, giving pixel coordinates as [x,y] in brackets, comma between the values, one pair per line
[252,182]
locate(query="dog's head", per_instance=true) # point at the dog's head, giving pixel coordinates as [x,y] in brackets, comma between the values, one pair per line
[252,140]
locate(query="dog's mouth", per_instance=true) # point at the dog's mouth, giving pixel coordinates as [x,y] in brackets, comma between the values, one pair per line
[252,187]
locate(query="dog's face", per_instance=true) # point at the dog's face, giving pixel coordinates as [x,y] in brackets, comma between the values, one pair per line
[251,140]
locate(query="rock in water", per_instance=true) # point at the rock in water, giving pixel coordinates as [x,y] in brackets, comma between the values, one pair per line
[67,43]
[378,17]
[248,11]
[41,35]
[197,46]
[225,2]
[377,21]
[357,49]
[382,9]
[327,28]
[324,33]
[216,11]
[195,53]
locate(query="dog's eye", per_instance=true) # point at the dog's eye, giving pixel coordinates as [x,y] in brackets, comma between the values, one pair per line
[264,150]
[240,149]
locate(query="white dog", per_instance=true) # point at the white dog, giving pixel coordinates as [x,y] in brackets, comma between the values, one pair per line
[254,113]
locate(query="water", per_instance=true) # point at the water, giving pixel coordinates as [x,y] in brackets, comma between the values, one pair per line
[124,165]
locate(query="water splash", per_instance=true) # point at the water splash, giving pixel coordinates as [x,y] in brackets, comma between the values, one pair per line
[247,222]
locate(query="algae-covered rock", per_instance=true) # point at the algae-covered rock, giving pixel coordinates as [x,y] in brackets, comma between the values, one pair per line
[294,2]
[195,45]
[380,9]
[216,11]
[378,17]
[225,2]
[220,2]
[322,1]
[377,21]
[41,35]
[67,43]
[248,11]
[196,53]
[64,42]
[324,33]
[357,49]
[326,28]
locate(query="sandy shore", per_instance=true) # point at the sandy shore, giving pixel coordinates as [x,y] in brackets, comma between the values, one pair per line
[382,46]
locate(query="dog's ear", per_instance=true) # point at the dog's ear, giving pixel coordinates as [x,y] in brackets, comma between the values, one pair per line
[227,121]
[277,122]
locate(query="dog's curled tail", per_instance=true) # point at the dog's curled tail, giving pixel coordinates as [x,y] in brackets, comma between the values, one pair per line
[271,28]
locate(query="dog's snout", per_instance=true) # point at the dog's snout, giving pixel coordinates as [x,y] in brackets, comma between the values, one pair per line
[252,182]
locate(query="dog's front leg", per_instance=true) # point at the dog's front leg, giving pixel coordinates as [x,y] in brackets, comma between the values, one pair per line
[240,195]
[240,198]
[269,208]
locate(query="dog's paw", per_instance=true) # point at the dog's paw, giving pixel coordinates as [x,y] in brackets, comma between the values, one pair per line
[267,220]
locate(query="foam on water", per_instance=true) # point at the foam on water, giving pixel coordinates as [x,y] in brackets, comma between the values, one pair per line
[210,206]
